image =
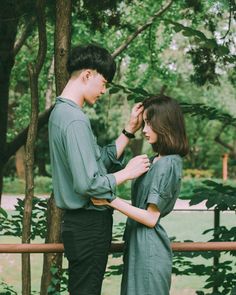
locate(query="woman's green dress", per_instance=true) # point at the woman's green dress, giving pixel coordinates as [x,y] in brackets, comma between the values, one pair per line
[148,255]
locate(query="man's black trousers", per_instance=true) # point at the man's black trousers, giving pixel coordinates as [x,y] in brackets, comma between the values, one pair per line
[86,235]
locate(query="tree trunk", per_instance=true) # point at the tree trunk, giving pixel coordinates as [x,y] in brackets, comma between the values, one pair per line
[20,165]
[8,30]
[53,236]
[49,92]
[34,71]
[61,47]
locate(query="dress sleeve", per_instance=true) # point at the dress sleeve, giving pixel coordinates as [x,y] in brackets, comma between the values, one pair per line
[166,180]
[109,158]
[81,155]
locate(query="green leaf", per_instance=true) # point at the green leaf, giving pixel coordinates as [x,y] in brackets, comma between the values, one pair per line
[132,96]
[114,90]
[177,28]
[210,43]
[54,270]
[51,289]
[3,212]
[222,50]
[187,33]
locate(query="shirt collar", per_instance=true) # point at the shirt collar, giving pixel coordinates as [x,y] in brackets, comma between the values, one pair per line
[68,101]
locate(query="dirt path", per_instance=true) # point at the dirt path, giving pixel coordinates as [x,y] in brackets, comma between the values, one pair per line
[9,201]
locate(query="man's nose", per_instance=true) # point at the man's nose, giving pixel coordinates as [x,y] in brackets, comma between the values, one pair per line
[103,89]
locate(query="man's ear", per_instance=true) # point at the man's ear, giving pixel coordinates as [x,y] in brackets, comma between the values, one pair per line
[86,74]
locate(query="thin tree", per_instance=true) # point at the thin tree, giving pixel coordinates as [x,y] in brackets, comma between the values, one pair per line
[34,71]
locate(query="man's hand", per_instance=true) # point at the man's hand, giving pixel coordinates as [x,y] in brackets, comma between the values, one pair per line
[136,118]
[137,166]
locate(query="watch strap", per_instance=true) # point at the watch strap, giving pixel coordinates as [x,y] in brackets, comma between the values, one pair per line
[128,134]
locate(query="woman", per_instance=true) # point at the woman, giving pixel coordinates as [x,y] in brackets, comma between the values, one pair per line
[148,255]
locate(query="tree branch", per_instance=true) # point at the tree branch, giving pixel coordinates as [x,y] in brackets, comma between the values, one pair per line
[20,42]
[141,29]
[220,141]
[20,139]
[230,16]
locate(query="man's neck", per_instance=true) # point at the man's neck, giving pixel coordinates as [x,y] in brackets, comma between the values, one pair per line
[71,92]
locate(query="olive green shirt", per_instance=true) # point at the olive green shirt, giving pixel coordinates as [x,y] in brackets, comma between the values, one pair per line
[79,166]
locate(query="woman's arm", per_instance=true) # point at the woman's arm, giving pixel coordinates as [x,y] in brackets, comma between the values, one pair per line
[147,217]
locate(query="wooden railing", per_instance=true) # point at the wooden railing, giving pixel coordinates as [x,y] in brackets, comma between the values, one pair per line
[118,247]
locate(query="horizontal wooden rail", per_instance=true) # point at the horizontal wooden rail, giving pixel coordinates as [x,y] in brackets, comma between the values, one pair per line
[118,247]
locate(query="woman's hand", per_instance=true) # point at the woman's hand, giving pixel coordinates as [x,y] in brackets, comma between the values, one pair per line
[100,202]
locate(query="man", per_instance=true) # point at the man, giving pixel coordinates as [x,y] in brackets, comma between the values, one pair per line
[82,170]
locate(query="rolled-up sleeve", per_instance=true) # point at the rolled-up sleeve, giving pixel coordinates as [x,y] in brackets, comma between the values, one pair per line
[81,158]
[109,158]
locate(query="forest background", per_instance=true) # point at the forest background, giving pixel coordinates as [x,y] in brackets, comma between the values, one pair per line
[185,49]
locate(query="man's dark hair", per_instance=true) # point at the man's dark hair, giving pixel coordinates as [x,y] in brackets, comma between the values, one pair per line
[166,119]
[92,57]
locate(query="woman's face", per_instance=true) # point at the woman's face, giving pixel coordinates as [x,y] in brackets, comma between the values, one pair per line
[149,134]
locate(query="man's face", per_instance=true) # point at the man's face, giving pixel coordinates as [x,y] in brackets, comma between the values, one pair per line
[95,87]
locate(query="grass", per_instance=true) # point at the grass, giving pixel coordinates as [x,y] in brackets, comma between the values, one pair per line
[42,184]
[182,225]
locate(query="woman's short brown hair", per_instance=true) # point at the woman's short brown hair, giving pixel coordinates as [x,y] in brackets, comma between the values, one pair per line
[166,119]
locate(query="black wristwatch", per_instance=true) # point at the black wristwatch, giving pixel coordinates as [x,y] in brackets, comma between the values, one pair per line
[128,134]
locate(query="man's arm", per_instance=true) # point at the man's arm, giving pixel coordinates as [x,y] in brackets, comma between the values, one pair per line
[134,124]
[87,180]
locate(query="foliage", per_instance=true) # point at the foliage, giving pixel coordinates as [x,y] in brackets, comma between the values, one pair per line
[205,56]
[222,197]
[59,278]
[218,195]
[156,58]
[198,173]
[194,109]
[6,289]
[12,224]
[210,113]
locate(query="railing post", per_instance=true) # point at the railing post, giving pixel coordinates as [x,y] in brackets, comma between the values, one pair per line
[217,216]
[216,238]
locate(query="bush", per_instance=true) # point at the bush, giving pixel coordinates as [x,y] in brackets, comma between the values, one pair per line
[198,173]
